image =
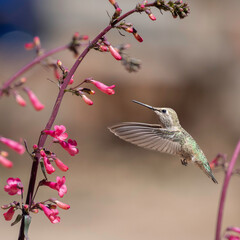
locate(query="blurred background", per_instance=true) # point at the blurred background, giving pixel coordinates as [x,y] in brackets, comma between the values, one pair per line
[117,190]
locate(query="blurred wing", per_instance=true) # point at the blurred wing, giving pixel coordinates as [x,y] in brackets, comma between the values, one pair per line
[150,136]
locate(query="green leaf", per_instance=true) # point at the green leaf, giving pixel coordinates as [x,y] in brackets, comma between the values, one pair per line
[27,221]
[18,219]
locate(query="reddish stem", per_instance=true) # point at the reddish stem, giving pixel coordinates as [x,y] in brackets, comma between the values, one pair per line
[43,137]
[224,190]
[29,66]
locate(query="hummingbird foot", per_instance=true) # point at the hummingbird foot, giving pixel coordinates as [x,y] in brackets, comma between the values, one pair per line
[184,162]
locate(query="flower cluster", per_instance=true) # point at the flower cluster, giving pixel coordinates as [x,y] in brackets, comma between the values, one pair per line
[59,136]
[14,186]
[79,91]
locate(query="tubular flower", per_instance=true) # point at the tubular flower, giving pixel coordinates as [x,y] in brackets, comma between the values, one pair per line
[61,165]
[234,229]
[5,162]
[50,213]
[20,100]
[104,88]
[48,166]
[59,133]
[62,205]
[34,100]
[19,148]
[87,100]
[9,214]
[14,186]
[70,147]
[114,53]
[59,185]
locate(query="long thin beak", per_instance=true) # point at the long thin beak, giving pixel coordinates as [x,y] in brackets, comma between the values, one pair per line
[143,104]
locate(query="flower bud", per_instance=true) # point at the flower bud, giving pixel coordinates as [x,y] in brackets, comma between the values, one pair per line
[115,53]
[20,100]
[87,100]
[29,46]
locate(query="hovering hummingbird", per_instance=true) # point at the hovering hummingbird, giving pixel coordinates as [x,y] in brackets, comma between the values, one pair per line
[168,136]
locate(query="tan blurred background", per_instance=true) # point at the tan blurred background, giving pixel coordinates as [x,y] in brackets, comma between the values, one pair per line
[117,190]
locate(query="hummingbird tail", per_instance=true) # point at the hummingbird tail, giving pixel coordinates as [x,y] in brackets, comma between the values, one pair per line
[207,170]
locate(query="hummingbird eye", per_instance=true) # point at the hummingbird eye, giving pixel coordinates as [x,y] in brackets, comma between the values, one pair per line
[164,110]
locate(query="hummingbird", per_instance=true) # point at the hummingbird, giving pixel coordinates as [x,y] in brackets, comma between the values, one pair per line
[168,137]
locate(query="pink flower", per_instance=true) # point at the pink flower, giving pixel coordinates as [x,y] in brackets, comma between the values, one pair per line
[104,88]
[34,100]
[70,147]
[103,48]
[234,229]
[9,214]
[19,148]
[59,186]
[231,237]
[5,162]
[115,53]
[37,42]
[71,80]
[62,205]
[87,100]
[84,37]
[29,46]
[48,166]
[20,100]
[152,17]
[59,133]
[51,214]
[61,165]
[14,186]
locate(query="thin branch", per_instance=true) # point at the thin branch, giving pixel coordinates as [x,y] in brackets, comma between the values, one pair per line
[29,66]
[224,190]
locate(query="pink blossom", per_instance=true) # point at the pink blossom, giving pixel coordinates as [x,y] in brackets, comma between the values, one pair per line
[115,53]
[234,229]
[103,48]
[231,237]
[152,17]
[59,133]
[19,148]
[20,100]
[29,46]
[87,100]
[104,88]
[14,186]
[59,185]
[9,214]
[71,80]
[37,42]
[70,146]
[34,100]
[50,213]
[62,205]
[5,162]
[61,165]
[48,166]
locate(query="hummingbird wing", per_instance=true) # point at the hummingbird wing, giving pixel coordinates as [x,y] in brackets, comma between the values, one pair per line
[150,136]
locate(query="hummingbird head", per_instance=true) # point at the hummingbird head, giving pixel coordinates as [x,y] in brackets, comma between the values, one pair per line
[167,116]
